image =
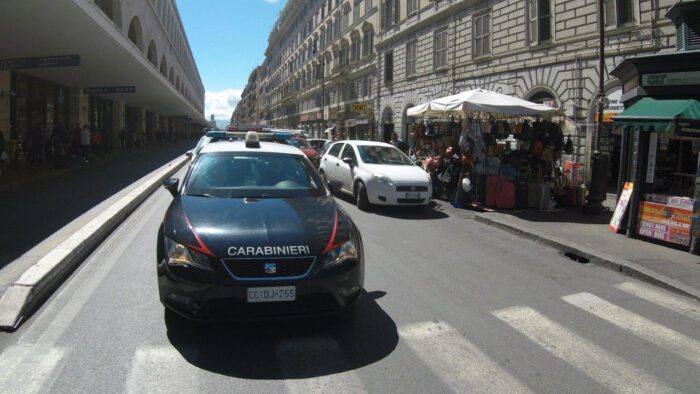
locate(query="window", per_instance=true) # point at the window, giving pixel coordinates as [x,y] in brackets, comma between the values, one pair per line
[368,43]
[540,21]
[390,13]
[355,55]
[440,49]
[368,6]
[335,149]
[619,13]
[356,11]
[411,48]
[389,67]
[482,35]
[346,20]
[411,7]
[349,153]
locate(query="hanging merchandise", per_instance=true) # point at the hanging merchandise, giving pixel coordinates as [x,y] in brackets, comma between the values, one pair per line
[569,146]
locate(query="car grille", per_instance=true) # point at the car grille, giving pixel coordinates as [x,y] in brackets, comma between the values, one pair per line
[411,188]
[410,200]
[255,268]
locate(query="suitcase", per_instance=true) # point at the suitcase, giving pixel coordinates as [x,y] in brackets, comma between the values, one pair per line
[521,191]
[505,195]
[491,192]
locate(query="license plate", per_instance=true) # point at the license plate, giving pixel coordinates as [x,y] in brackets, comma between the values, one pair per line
[272,294]
[412,195]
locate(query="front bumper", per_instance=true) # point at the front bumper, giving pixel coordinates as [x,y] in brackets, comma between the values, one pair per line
[382,194]
[326,292]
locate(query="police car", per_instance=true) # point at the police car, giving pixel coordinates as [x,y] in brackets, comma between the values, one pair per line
[254,231]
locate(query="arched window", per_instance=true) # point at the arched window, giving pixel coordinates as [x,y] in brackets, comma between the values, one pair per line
[172,76]
[135,33]
[111,8]
[152,53]
[163,66]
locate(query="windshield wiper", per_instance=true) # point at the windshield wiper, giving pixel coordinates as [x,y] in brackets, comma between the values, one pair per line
[199,195]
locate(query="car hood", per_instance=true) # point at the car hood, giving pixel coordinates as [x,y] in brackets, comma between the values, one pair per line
[399,173]
[235,227]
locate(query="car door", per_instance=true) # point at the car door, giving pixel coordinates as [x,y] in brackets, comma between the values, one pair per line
[345,171]
[331,161]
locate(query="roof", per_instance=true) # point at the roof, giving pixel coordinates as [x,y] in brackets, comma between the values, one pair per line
[659,114]
[363,142]
[239,146]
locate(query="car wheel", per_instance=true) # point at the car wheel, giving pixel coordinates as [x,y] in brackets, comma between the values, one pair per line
[361,197]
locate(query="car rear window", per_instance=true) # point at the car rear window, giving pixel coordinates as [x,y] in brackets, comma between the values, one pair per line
[235,175]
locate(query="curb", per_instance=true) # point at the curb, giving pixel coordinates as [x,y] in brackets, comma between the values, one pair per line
[37,283]
[623,266]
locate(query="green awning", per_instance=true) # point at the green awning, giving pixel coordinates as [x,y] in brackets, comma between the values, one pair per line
[661,115]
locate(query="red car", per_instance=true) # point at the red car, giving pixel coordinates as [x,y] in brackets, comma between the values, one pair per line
[308,150]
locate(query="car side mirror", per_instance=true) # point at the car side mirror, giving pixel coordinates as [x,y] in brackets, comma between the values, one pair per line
[335,186]
[189,154]
[349,161]
[171,184]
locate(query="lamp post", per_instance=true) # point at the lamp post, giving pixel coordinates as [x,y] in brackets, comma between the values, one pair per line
[597,192]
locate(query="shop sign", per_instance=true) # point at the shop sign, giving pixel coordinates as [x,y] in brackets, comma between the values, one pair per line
[671,79]
[664,222]
[40,62]
[110,90]
[358,107]
[615,105]
[621,207]
[651,163]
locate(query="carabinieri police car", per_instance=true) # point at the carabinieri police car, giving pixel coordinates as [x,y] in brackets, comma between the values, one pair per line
[254,231]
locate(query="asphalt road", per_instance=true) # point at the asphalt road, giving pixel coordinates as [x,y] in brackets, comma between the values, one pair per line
[450,305]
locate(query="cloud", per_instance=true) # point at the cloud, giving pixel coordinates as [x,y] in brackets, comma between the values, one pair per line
[221,104]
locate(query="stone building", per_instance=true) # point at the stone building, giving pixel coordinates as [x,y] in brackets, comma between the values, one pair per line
[113,64]
[540,50]
[247,111]
[320,67]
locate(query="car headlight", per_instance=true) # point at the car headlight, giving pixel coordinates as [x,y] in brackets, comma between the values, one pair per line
[345,252]
[383,179]
[179,255]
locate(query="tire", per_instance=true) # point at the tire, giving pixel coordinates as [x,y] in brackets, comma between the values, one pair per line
[361,197]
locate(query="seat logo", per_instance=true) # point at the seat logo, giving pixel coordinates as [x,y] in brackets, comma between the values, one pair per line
[270,268]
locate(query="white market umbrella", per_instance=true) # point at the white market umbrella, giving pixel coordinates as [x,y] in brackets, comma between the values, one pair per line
[488,101]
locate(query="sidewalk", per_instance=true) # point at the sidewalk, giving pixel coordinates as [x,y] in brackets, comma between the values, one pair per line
[590,236]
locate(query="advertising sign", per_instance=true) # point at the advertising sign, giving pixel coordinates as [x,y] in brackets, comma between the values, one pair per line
[651,162]
[621,207]
[664,222]
[40,62]
[671,79]
[110,90]
[358,107]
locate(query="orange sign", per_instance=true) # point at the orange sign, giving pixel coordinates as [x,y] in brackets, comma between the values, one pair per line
[607,116]
[622,203]
[665,223]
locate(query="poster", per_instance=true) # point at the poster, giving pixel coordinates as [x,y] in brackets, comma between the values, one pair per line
[651,163]
[621,206]
[664,222]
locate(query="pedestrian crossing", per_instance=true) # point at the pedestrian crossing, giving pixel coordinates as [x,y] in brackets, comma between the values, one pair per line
[312,364]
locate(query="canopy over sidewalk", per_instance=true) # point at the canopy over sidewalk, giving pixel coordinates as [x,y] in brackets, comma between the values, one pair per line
[661,115]
[480,100]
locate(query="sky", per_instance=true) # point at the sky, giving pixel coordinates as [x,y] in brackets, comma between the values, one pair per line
[228,40]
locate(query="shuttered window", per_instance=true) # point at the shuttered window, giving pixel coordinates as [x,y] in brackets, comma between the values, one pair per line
[540,21]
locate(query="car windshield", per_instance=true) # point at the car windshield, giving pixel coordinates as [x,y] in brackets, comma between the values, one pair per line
[302,143]
[375,154]
[237,175]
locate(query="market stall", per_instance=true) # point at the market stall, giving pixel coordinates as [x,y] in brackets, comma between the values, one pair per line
[508,148]
[663,169]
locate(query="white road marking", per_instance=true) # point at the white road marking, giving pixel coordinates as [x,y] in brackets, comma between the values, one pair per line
[604,367]
[458,362]
[161,370]
[660,335]
[663,298]
[28,368]
[301,357]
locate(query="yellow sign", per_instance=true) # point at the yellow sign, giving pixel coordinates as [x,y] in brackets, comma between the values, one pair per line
[358,107]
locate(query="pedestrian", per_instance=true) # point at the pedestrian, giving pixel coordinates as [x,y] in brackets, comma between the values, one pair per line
[85,137]
[96,142]
[59,143]
[46,141]
[122,138]
[37,147]
[75,141]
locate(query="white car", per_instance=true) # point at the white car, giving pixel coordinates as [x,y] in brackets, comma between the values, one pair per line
[376,173]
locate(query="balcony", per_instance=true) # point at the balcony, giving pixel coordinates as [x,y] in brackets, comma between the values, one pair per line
[340,72]
[362,62]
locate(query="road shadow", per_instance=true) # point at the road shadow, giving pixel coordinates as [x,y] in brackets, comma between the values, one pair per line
[432,212]
[288,349]
[570,215]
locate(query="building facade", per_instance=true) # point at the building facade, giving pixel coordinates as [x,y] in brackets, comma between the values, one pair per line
[247,111]
[357,66]
[117,65]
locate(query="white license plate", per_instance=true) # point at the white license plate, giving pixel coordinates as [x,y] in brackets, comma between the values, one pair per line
[412,195]
[272,294]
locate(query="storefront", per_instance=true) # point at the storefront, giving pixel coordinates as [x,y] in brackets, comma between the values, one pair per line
[101,117]
[36,103]
[661,139]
